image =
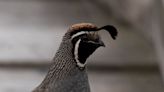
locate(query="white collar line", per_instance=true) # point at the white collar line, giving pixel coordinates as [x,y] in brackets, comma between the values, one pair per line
[76,55]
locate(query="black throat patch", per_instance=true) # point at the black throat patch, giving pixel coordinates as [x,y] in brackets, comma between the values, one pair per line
[82,50]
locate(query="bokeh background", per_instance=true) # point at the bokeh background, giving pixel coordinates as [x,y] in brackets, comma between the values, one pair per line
[31,31]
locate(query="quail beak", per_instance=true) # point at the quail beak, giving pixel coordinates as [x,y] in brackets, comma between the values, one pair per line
[96,39]
[101,43]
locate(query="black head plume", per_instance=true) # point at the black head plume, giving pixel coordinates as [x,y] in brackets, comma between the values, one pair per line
[89,27]
[111,29]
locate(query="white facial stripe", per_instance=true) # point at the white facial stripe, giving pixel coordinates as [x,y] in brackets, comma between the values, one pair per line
[92,42]
[81,65]
[78,33]
[76,54]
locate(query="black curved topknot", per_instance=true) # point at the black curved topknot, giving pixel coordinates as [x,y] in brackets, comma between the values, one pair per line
[91,27]
[111,29]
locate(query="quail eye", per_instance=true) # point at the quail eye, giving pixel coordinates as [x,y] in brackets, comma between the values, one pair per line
[97,39]
[85,38]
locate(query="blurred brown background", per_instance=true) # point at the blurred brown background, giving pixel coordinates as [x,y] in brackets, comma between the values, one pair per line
[31,31]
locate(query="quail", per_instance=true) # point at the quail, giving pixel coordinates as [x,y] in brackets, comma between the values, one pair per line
[68,72]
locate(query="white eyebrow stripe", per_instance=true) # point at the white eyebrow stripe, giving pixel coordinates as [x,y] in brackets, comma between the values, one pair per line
[78,33]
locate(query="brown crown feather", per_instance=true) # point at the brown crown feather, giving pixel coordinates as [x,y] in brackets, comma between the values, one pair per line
[82,27]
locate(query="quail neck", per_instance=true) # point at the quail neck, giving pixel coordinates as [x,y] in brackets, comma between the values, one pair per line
[65,75]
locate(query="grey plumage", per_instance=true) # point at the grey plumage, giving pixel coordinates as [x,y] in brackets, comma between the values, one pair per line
[65,75]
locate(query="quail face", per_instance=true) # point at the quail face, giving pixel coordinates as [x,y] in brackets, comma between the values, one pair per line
[86,40]
[84,45]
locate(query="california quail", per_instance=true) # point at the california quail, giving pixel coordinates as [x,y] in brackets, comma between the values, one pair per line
[67,73]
